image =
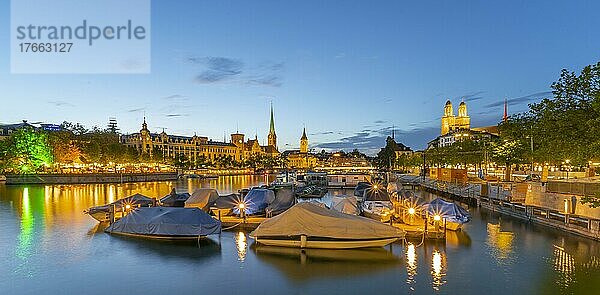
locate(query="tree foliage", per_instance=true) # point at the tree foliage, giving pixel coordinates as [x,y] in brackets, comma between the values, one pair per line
[26,151]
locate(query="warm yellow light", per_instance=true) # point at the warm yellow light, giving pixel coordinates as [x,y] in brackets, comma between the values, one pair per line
[241,205]
[127,206]
[411,211]
[437,217]
[375,186]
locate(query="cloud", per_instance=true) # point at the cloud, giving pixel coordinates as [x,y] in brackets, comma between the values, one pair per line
[135,110]
[224,69]
[380,122]
[266,73]
[60,103]
[322,133]
[176,97]
[176,115]
[387,100]
[471,96]
[520,100]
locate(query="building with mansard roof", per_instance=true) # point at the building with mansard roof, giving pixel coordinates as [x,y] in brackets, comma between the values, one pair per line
[195,147]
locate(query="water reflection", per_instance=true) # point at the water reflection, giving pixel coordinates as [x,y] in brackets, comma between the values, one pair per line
[438,269]
[302,265]
[241,245]
[411,264]
[564,264]
[500,243]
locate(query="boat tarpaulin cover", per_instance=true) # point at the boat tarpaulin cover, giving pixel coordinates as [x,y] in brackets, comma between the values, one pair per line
[227,201]
[360,188]
[314,221]
[376,195]
[449,211]
[256,201]
[166,221]
[175,200]
[348,205]
[202,198]
[284,199]
[137,200]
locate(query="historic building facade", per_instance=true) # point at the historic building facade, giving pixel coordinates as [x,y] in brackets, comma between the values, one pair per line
[458,128]
[301,159]
[450,122]
[195,147]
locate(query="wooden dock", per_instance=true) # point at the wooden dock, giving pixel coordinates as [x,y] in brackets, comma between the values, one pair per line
[237,223]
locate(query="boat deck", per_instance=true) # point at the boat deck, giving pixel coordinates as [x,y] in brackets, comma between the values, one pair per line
[235,222]
[416,231]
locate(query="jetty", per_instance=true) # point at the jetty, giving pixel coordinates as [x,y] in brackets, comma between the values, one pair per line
[524,201]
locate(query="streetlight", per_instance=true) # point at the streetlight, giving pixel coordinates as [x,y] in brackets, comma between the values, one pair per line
[531,173]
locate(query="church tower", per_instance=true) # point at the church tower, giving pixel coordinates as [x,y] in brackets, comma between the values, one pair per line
[447,118]
[463,121]
[304,142]
[272,138]
[145,137]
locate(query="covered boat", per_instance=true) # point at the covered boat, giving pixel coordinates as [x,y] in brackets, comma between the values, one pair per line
[256,201]
[311,191]
[166,223]
[307,225]
[454,215]
[284,199]
[174,199]
[348,205]
[102,213]
[202,198]
[360,188]
[377,205]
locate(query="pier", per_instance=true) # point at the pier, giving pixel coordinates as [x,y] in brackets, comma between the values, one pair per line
[501,201]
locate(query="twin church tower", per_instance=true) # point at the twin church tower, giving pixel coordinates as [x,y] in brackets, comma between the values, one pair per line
[450,122]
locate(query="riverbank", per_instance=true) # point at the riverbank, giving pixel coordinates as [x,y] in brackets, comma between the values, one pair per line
[88,178]
[533,205]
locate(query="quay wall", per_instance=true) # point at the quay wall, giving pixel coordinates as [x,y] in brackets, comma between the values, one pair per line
[89,178]
[527,201]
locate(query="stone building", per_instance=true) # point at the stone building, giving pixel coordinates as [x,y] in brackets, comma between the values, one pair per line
[194,147]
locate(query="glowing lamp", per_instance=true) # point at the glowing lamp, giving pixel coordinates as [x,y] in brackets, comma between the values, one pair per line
[241,205]
[437,217]
[127,206]
[411,211]
[375,186]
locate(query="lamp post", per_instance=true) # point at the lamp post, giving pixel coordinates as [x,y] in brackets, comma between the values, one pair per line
[531,142]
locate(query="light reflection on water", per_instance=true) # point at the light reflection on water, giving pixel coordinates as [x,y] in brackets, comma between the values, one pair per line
[242,245]
[52,242]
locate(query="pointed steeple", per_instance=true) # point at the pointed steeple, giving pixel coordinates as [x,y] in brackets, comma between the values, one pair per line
[272,137]
[144,125]
[505,117]
[304,134]
[272,122]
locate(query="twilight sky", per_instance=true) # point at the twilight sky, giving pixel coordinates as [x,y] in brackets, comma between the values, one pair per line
[347,70]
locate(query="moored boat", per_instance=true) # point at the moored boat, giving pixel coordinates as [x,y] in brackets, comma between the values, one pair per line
[344,204]
[102,213]
[307,225]
[377,205]
[451,213]
[166,223]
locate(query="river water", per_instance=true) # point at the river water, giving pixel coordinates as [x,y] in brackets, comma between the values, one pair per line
[47,245]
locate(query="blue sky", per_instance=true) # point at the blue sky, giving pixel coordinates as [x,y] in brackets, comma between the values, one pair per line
[347,70]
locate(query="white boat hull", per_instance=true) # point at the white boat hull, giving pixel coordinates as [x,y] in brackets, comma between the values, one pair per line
[320,244]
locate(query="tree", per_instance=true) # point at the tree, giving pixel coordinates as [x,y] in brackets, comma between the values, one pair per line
[27,150]
[64,146]
[386,157]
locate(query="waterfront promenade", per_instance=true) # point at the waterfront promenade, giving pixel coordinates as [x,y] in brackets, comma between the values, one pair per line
[532,201]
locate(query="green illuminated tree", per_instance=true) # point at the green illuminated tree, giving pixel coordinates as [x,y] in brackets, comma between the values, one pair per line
[27,151]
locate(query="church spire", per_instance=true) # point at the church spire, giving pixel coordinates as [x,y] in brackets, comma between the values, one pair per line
[505,117]
[272,123]
[272,138]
